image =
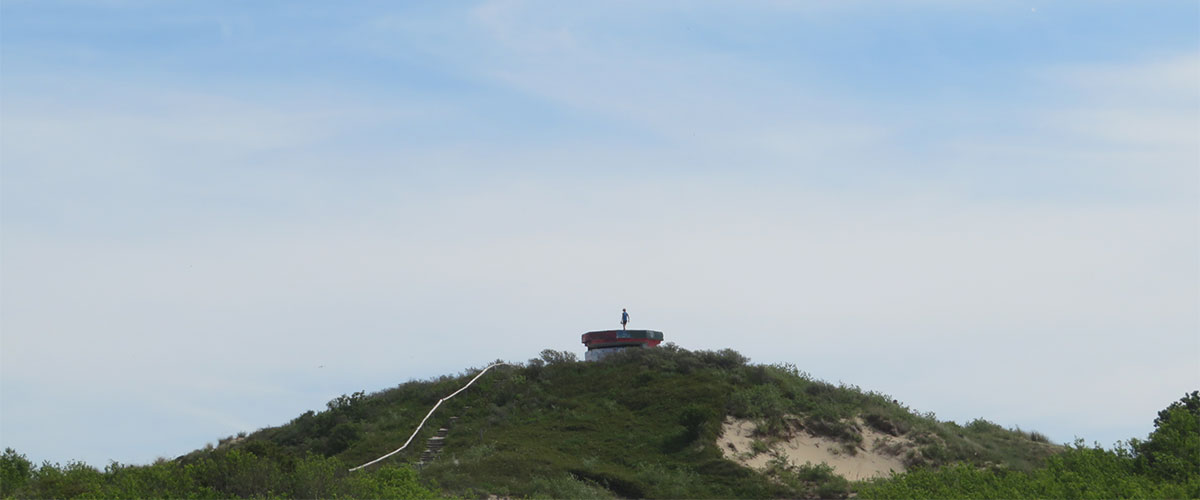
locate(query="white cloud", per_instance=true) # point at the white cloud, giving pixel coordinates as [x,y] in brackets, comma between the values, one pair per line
[1152,104]
[1162,78]
[159,129]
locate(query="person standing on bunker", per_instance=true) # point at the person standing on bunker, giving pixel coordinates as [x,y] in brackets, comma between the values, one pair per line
[624,318]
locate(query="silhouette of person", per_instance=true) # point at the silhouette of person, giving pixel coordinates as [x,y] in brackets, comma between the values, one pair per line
[624,318]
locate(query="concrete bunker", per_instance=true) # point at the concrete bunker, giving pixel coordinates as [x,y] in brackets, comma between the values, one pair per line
[600,344]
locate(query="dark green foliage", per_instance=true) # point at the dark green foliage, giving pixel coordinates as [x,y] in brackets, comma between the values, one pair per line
[696,422]
[1172,452]
[1165,466]
[232,474]
[758,402]
[52,481]
[641,424]
[15,471]
[551,357]
[349,406]
[387,482]
[568,486]
[340,438]
[1079,472]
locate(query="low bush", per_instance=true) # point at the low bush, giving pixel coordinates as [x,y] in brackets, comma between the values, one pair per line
[15,471]
[810,480]
[567,486]
[223,474]
[1167,465]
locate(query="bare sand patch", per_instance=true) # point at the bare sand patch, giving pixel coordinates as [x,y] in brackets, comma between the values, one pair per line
[878,456]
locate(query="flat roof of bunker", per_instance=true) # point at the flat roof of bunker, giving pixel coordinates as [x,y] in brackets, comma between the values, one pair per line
[612,338]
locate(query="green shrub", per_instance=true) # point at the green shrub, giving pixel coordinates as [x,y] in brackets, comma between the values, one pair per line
[240,474]
[840,430]
[980,425]
[476,453]
[1172,451]
[696,422]
[809,480]
[352,406]
[758,402]
[389,482]
[1164,466]
[725,359]
[316,477]
[340,438]
[667,482]
[15,471]
[568,486]
[552,357]
[76,479]
[884,424]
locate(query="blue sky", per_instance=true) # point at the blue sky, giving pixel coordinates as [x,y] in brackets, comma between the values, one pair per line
[218,215]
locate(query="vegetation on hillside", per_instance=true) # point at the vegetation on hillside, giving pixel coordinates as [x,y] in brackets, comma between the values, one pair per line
[643,423]
[219,474]
[1167,465]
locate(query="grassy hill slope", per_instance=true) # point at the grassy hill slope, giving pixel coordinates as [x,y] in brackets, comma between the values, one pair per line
[643,423]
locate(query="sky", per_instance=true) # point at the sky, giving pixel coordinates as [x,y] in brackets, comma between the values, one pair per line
[217,215]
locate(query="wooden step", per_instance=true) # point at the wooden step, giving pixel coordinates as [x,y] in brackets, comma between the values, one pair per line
[434,445]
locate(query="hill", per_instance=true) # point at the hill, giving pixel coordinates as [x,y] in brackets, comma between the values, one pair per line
[651,423]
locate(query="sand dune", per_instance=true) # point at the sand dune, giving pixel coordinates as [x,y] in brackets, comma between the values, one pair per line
[878,456]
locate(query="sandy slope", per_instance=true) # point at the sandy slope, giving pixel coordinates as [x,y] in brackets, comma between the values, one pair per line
[873,459]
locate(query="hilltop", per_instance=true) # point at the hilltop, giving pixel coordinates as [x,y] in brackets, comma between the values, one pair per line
[654,423]
[643,424]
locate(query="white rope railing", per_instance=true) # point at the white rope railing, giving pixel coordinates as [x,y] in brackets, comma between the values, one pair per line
[431,410]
